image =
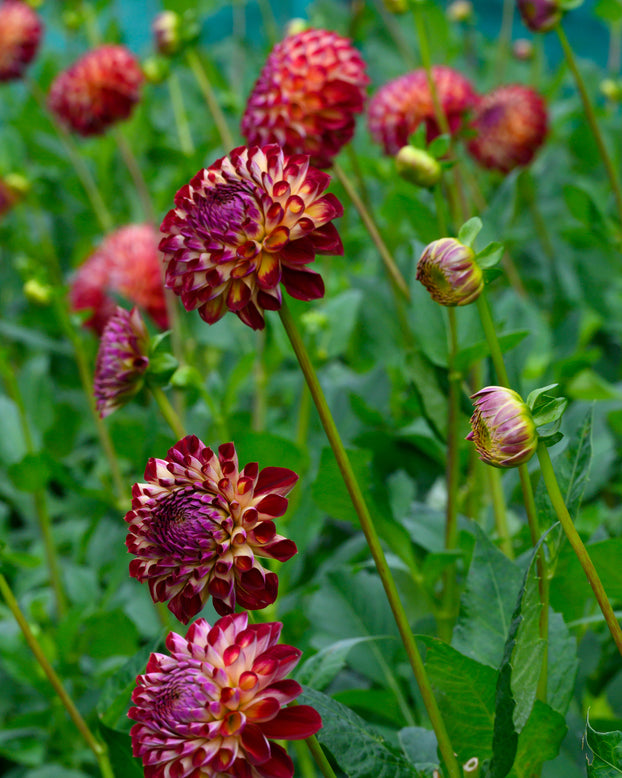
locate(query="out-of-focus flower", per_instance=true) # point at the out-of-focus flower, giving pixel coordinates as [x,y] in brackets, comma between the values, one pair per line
[243,226]
[502,427]
[396,6]
[101,88]
[12,189]
[121,360]
[399,107]
[522,49]
[127,263]
[166,29]
[307,95]
[540,15]
[198,525]
[20,35]
[417,166]
[213,705]
[448,270]
[611,89]
[510,125]
[460,11]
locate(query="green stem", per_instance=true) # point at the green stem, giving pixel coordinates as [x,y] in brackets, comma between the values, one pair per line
[557,500]
[205,86]
[179,112]
[498,509]
[135,173]
[39,496]
[304,414]
[591,119]
[505,38]
[373,542]
[98,748]
[374,234]
[426,60]
[320,757]
[306,763]
[260,403]
[84,174]
[168,412]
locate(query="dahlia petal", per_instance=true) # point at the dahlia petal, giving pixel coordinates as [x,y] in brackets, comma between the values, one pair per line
[295,723]
[278,480]
[278,766]
[303,284]
[255,744]
[326,240]
[269,271]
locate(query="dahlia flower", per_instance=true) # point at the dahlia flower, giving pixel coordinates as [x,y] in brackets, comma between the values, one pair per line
[20,35]
[540,15]
[306,96]
[510,125]
[198,525]
[210,708]
[127,263]
[101,88]
[242,226]
[502,427]
[399,107]
[166,33]
[448,270]
[121,360]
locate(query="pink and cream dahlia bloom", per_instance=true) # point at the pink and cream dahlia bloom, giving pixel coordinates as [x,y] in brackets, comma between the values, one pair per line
[243,226]
[121,360]
[20,35]
[450,273]
[210,709]
[510,125]
[399,107]
[127,263]
[307,95]
[101,88]
[198,525]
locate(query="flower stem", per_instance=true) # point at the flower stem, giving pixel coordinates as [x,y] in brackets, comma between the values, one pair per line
[39,496]
[591,119]
[426,61]
[179,112]
[84,174]
[320,757]
[557,500]
[261,381]
[389,263]
[373,542]
[505,38]
[135,173]
[195,64]
[498,509]
[167,411]
[98,748]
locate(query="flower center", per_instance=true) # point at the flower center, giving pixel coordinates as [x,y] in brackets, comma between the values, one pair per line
[186,521]
[224,207]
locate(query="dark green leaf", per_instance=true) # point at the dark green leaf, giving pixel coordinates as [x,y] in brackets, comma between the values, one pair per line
[32,473]
[606,748]
[120,753]
[468,356]
[539,741]
[319,670]
[420,747]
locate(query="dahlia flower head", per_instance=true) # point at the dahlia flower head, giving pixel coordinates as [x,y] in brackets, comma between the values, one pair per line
[399,107]
[98,90]
[307,96]
[121,360]
[210,709]
[20,34]
[510,125]
[243,226]
[502,427]
[448,270]
[127,263]
[198,525]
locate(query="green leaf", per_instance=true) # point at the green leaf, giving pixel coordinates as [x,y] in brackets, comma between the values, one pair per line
[120,753]
[359,750]
[487,603]
[420,747]
[606,748]
[423,374]
[319,670]
[539,741]
[32,473]
[563,664]
[24,745]
[470,230]
[490,255]
[609,10]
[468,356]
[466,693]
[439,146]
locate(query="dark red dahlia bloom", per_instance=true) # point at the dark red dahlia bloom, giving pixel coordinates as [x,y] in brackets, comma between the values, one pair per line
[510,125]
[20,35]
[307,95]
[213,705]
[101,88]
[243,226]
[127,264]
[198,525]
[540,15]
[399,107]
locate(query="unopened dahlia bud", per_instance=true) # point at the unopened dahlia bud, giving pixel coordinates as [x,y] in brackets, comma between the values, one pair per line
[502,427]
[156,69]
[121,360]
[101,88]
[20,35]
[307,96]
[522,49]
[448,270]
[37,292]
[540,15]
[510,124]
[214,707]
[417,166]
[166,29]
[460,11]
[401,105]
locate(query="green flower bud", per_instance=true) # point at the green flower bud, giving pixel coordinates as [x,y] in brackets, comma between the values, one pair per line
[460,11]
[37,293]
[156,69]
[418,167]
[448,270]
[166,33]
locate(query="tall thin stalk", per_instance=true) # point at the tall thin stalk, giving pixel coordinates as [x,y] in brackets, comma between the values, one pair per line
[195,64]
[179,112]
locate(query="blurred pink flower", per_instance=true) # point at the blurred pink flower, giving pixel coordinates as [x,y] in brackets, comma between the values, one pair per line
[198,525]
[20,35]
[101,88]
[213,705]
[243,226]
[127,263]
